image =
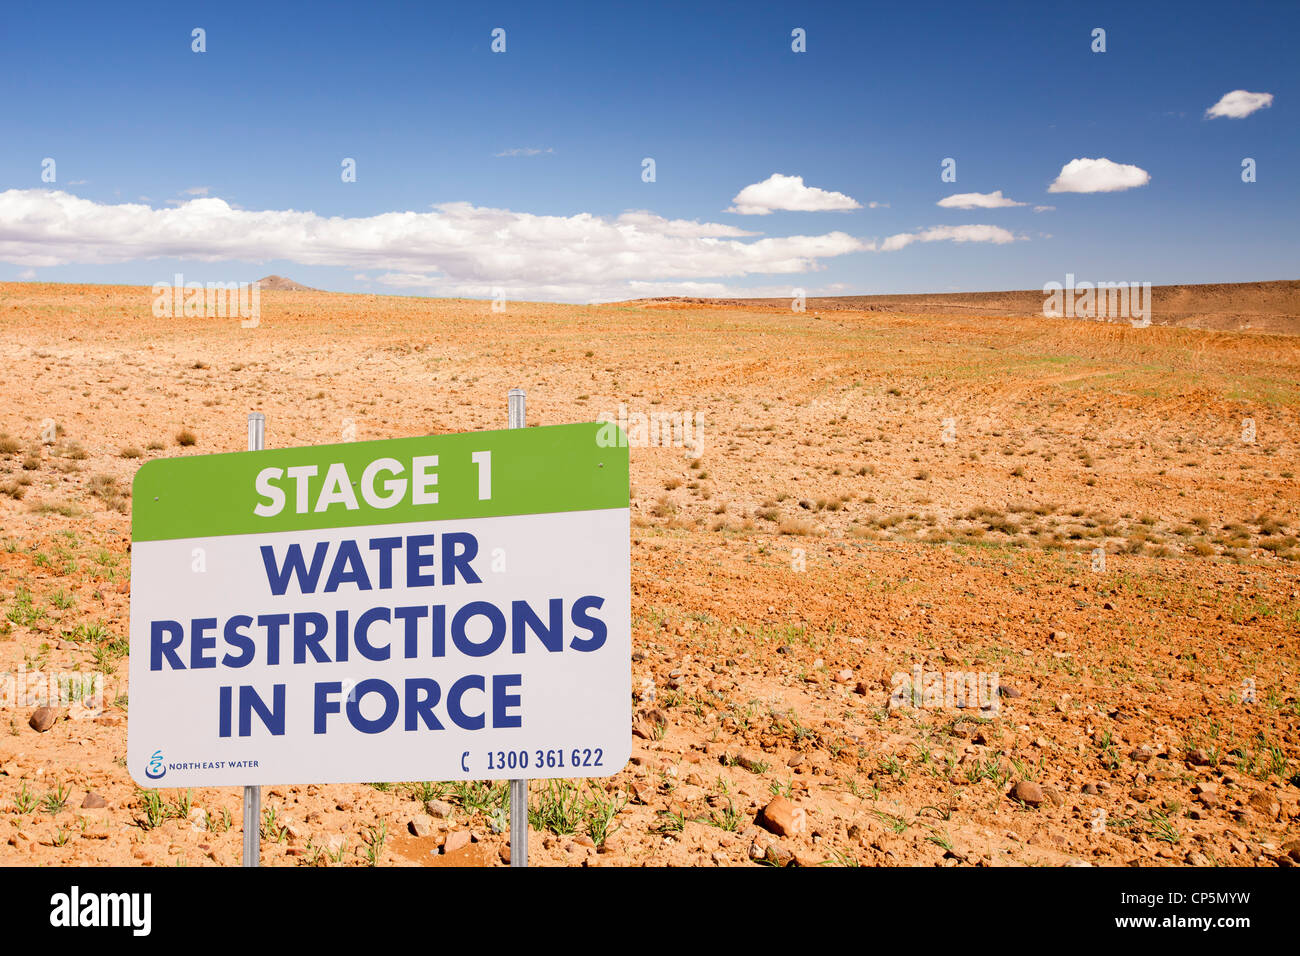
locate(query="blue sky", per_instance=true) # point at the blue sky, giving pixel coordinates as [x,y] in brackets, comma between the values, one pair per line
[137,121]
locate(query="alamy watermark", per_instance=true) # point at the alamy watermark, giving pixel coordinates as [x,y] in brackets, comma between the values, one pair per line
[1099,300]
[133,911]
[215,300]
[675,429]
[26,688]
[977,690]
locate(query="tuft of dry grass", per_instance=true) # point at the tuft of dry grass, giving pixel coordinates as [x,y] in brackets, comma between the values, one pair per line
[106,488]
[797,526]
[16,488]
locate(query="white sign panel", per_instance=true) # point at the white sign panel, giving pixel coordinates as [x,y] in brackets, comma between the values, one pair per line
[467,645]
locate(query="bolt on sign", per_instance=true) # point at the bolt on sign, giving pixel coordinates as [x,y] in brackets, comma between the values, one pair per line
[449,607]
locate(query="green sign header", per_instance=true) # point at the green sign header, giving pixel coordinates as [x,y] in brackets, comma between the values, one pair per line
[516,471]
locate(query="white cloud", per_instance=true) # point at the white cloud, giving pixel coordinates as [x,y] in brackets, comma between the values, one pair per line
[27,275]
[993,200]
[643,219]
[609,292]
[453,247]
[1044,209]
[779,192]
[971,233]
[194,191]
[877,205]
[1238,104]
[525,151]
[1098,176]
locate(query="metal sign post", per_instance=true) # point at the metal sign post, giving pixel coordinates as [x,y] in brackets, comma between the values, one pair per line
[515,408]
[253,795]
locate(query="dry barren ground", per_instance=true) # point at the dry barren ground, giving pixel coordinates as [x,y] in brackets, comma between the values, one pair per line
[1225,306]
[877,492]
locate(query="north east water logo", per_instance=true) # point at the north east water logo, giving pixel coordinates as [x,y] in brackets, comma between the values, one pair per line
[155,770]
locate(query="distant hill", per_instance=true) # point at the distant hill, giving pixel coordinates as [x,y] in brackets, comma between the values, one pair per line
[281,284]
[1239,306]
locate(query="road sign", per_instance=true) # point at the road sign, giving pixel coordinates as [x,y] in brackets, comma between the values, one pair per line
[440,608]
